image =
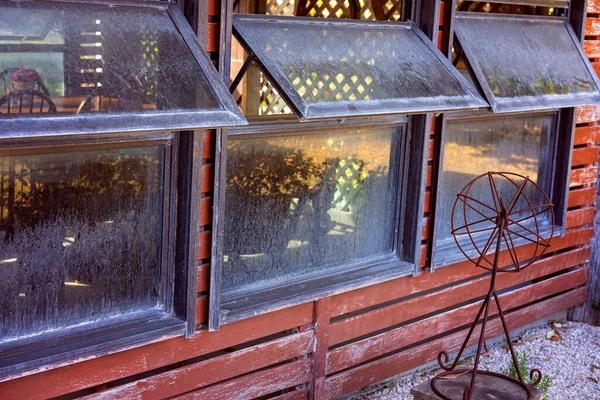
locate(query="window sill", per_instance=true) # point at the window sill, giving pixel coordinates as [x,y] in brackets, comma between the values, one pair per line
[240,304]
[63,346]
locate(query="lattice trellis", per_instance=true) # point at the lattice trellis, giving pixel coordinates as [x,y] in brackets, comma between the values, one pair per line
[149,44]
[340,87]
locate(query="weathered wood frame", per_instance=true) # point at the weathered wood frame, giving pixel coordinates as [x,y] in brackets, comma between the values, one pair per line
[178,278]
[340,109]
[527,103]
[551,158]
[409,243]
[230,115]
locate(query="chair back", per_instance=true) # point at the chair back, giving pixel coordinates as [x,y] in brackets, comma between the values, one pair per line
[26,102]
[5,75]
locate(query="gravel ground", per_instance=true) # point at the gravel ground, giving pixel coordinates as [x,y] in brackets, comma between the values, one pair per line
[569,353]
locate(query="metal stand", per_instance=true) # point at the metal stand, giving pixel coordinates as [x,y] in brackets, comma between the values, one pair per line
[502,220]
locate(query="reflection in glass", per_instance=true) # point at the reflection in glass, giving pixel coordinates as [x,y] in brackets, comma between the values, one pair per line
[521,58]
[99,59]
[517,144]
[305,203]
[351,62]
[81,237]
[256,96]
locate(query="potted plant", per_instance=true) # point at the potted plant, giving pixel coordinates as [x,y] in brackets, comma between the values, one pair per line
[24,79]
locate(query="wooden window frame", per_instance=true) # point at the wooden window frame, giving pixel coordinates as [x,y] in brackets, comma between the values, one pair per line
[178,261]
[426,14]
[565,126]
[182,206]
[558,177]
[228,115]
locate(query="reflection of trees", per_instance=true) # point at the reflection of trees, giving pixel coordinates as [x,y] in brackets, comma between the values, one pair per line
[82,239]
[268,186]
[510,86]
[288,213]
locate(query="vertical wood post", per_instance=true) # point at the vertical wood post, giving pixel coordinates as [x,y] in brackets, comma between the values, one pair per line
[322,324]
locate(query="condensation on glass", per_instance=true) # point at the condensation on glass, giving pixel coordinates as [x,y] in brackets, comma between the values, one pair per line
[256,95]
[81,234]
[526,62]
[517,144]
[61,59]
[307,204]
[353,68]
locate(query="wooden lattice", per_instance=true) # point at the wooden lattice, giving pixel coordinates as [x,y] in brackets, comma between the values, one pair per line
[339,87]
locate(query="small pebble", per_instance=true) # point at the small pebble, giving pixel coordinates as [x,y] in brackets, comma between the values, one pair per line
[571,358]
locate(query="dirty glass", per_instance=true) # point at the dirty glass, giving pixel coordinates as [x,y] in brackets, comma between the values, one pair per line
[307,203]
[256,95]
[526,58]
[85,59]
[518,144]
[353,68]
[80,235]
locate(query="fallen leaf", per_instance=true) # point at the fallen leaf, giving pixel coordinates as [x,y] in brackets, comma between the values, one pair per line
[550,335]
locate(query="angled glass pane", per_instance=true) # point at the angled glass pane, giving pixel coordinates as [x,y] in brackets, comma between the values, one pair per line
[333,68]
[525,63]
[85,61]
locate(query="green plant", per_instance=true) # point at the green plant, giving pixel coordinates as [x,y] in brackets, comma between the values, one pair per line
[522,359]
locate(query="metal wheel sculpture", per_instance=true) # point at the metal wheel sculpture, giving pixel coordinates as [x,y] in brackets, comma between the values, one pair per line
[494,213]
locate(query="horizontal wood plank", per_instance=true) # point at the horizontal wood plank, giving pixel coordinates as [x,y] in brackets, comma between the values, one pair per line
[587,114]
[212,42]
[94,372]
[367,374]
[202,309]
[359,352]
[206,207]
[301,394]
[580,217]
[584,156]
[583,176]
[410,285]
[416,307]
[208,174]
[205,245]
[427,200]
[203,277]
[587,135]
[592,27]
[208,144]
[429,175]
[214,7]
[214,370]
[592,48]
[257,384]
[581,197]
[593,7]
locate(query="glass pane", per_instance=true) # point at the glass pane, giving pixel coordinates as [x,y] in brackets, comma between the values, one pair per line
[81,236]
[307,203]
[353,68]
[255,94]
[518,144]
[525,57]
[86,59]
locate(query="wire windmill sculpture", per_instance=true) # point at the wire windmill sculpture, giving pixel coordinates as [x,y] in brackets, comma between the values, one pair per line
[494,213]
